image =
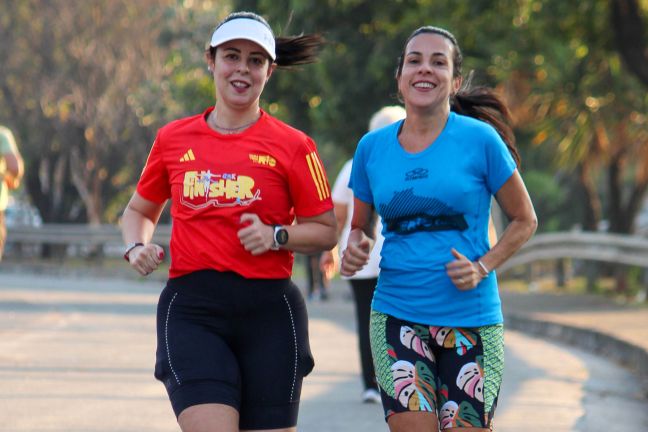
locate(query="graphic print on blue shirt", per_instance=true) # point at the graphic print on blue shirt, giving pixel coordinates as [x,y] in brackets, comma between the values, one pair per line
[417,174]
[407,213]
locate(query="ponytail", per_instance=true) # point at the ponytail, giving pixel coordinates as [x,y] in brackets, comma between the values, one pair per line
[297,50]
[483,103]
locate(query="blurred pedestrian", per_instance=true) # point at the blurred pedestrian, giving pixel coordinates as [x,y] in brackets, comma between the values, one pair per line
[11,172]
[246,192]
[318,281]
[364,281]
[436,322]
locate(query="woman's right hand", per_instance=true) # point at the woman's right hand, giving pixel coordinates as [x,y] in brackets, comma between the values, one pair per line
[356,254]
[146,259]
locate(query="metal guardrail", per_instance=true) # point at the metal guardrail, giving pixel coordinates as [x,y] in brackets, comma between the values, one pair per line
[78,235]
[613,248]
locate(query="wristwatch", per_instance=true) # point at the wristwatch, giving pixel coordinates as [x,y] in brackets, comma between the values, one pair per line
[280,237]
[129,248]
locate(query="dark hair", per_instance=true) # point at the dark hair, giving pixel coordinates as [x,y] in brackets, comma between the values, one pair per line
[478,102]
[289,50]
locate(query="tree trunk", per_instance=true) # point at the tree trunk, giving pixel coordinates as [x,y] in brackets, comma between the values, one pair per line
[592,202]
[629,29]
[615,189]
[622,215]
[592,217]
[83,183]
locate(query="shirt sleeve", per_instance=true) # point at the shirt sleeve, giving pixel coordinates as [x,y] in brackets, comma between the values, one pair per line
[341,192]
[500,165]
[154,184]
[308,183]
[359,181]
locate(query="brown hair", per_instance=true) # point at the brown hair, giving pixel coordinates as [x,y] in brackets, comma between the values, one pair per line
[478,102]
[290,50]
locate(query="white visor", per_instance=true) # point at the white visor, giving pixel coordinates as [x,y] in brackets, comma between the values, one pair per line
[248,29]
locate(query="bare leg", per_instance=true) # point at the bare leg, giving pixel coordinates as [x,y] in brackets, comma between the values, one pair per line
[470,429]
[422,422]
[292,429]
[413,421]
[209,418]
[215,418]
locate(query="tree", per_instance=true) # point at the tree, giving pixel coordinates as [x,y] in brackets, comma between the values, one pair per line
[629,28]
[583,106]
[68,90]
[85,85]
[631,41]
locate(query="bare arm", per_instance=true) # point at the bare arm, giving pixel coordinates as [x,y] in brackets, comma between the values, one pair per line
[329,258]
[340,210]
[138,224]
[360,239]
[515,202]
[313,234]
[309,235]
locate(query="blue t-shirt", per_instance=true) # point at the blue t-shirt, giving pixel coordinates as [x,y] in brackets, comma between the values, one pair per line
[430,202]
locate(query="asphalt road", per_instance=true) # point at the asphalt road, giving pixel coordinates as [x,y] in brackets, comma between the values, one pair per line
[76,355]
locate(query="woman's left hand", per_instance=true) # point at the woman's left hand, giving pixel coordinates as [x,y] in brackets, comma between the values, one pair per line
[464,273]
[256,237]
[328,263]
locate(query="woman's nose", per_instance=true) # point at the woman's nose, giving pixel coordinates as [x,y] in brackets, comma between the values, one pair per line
[243,66]
[425,67]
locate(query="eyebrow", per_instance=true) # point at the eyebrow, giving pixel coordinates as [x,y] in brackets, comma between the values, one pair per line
[435,54]
[261,53]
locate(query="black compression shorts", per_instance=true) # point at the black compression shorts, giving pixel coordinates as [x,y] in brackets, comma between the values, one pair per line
[230,340]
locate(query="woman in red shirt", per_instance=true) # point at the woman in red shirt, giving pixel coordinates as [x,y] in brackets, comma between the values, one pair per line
[246,191]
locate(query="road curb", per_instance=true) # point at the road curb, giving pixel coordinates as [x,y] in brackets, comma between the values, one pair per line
[621,352]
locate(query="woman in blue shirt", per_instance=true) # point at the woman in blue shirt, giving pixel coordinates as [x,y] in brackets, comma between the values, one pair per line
[436,323]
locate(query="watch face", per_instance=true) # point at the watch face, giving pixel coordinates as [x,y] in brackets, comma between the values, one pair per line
[282,236]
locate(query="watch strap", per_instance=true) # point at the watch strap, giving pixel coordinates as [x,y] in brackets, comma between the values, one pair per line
[129,248]
[275,243]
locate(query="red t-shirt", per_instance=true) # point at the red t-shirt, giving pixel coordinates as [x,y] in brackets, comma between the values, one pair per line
[270,169]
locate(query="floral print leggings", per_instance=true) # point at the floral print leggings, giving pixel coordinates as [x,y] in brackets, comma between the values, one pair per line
[455,372]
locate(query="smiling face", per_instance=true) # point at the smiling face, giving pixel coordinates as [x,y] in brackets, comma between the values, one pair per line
[426,77]
[240,68]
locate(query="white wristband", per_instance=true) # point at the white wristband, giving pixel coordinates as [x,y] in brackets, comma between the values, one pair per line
[483,268]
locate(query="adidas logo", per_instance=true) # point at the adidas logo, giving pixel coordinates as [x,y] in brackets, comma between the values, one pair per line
[189,156]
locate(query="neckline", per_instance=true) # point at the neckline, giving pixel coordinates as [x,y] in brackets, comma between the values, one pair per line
[431,145]
[230,135]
